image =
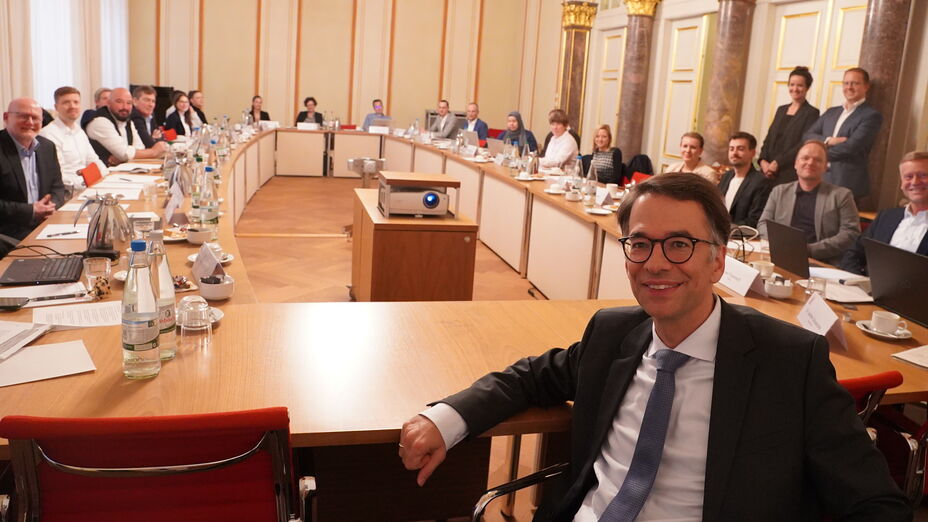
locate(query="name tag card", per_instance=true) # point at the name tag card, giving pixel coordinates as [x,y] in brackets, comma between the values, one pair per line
[175,201]
[741,278]
[399,132]
[603,197]
[377,129]
[816,316]
[468,151]
[499,159]
[207,264]
[307,126]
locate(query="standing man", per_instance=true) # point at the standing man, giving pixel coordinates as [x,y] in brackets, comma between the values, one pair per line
[376,115]
[446,124]
[474,123]
[849,131]
[71,143]
[685,407]
[825,212]
[114,136]
[142,115]
[30,179]
[902,227]
[744,189]
[101,97]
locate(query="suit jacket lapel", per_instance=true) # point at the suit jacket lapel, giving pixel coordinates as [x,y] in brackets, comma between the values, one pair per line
[821,197]
[734,373]
[785,211]
[12,154]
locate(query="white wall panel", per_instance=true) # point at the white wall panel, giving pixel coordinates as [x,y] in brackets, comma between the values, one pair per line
[180,44]
[277,75]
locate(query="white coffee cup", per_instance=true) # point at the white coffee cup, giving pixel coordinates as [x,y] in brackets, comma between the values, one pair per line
[613,189]
[886,322]
[764,267]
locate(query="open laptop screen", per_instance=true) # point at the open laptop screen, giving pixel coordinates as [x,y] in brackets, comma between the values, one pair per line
[899,280]
[788,248]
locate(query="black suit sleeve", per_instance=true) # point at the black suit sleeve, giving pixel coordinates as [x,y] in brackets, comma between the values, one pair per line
[318,117]
[301,117]
[766,152]
[50,173]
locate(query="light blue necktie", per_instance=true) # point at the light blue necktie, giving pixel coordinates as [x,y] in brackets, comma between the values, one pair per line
[627,503]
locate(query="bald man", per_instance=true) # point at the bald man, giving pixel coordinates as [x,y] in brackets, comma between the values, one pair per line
[113,135]
[30,178]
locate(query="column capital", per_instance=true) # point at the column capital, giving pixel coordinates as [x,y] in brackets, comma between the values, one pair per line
[577,14]
[641,7]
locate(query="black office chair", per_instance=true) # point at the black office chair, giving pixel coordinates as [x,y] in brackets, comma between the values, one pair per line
[511,487]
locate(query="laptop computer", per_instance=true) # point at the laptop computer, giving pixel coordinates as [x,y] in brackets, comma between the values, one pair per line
[471,138]
[495,146]
[43,271]
[381,122]
[788,248]
[898,280]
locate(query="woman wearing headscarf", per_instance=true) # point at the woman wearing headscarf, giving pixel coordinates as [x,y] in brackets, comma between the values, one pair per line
[516,133]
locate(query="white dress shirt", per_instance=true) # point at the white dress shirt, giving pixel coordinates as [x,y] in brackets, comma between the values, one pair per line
[678,489]
[561,151]
[733,187]
[911,230]
[848,110]
[102,130]
[74,150]
[471,124]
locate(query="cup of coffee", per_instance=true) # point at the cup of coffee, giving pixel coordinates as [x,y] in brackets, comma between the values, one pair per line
[613,189]
[886,322]
[764,267]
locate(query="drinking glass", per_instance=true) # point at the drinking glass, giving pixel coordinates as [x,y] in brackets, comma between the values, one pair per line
[816,285]
[97,272]
[194,324]
[141,228]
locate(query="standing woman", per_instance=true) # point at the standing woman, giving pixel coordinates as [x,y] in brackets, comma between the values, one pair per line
[784,138]
[691,144]
[606,158]
[516,133]
[181,120]
[256,112]
[309,115]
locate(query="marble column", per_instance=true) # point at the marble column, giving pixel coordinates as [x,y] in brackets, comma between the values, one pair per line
[576,22]
[726,80]
[881,52]
[630,125]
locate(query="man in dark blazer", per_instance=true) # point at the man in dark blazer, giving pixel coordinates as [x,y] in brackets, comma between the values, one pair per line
[759,428]
[143,115]
[849,131]
[474,123]
[747,202]
[30,178]
[902,227]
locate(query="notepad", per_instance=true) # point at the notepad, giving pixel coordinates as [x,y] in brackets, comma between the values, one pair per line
[80,316]
[64,231]
[46,361]
[917,356]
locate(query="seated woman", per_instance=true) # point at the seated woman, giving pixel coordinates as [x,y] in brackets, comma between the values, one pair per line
[309,115]
[562,150]
[605,158]
[516,134]
[691,144]
[181,120]
[256,112]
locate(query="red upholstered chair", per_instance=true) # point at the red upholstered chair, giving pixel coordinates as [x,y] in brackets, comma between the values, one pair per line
[349,127]
[495,133]
[868,391]
[210,467]
[638,177]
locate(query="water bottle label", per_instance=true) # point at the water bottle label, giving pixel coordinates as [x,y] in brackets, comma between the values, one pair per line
[139,336]
[166,319]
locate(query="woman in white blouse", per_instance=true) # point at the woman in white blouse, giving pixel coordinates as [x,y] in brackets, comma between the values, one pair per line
[691,144]
[562,149]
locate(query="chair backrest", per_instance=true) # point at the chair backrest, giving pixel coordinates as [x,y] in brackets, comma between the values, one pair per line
[640,164]
[209,467]
[868,391]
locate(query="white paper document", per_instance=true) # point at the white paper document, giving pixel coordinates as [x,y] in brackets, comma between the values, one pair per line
[741,278]
[134,167]
[917,356]
[832,274]
[80,316]
[14,336]
[74,207]
[176,200]
[141,179]
[816,316]
[45,361]
[128,194]
[144,215]
[64,231]
[48,291]
[846,294]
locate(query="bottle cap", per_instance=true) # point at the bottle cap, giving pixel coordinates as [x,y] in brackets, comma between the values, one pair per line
[138,245]
[210,169]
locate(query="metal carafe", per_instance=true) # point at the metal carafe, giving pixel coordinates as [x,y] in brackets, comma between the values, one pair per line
[109,232]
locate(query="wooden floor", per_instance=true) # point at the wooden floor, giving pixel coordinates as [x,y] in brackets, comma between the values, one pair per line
[293,242]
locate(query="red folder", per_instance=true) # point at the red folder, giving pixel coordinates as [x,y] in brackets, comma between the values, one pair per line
[91,174]
[170,135]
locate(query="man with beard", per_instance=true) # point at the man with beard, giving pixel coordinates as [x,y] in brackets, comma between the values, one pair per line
[114,137]
[744,189]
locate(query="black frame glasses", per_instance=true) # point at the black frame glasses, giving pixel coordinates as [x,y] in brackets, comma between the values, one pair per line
[675,255]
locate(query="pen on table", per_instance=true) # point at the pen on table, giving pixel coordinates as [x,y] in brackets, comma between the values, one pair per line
[126,179]
[54,297]
[63,233]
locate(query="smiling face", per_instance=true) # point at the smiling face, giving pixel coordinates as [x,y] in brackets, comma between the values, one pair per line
[690,149]
[740,153]
[854,86]
[797,88]
[442,109]
[120,104]
[811,163]
[914,176]
[558,129]
[23,120]
[677,296]
[601,140]
[145,104]
[68,107]
[182,104]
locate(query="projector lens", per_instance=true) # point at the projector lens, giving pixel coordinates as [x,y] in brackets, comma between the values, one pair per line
[430,200]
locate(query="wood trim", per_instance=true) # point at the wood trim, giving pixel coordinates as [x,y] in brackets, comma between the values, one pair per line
[444,36]
[479,50]
[531,108]
[386,108]
[522,55]
[157,42]
[258,51]
[299,42]
[354,24]
[201,10]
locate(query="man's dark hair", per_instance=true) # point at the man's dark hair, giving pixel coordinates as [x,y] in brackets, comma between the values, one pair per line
[62,91]
[752,141]
[309,99]
[682,187]
[376,101]
[143,89]
[445,102]
[863,72]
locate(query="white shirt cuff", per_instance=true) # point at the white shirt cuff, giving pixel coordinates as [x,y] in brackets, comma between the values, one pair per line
[449,422]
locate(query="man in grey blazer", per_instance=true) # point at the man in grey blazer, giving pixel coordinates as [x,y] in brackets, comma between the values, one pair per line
[826,212]
[849,131]
[446,124]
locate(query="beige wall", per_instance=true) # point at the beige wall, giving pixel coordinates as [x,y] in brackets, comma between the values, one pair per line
[326,75]
[417,60]
[143,31]
[229,55]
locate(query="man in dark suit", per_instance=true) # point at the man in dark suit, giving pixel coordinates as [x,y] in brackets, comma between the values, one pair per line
[849,131]
[30,178]
[902,227]
[474,123]
[743,188]
[101,97]
[143,115]
[742,419]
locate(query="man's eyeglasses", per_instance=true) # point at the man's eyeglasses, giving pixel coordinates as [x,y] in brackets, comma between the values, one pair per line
[27,116]
[677,249]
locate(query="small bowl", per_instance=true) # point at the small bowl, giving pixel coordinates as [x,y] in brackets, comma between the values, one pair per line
[775,291]
[218,292]
[198,236]
[573,196]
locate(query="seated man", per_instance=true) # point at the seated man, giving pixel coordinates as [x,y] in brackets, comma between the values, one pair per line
[74,150]
[475,124]
[30,179]
[376,115]
[101,97]
[825,212]
[905,227]
[445,124]
[143,114]
[744,189]
[113,135]
[685,407]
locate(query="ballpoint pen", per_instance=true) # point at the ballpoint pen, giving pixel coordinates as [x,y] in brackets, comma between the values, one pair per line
[64,233]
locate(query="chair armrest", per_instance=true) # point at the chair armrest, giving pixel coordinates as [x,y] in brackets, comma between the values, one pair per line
[307,491]
[4,507]
[515,485]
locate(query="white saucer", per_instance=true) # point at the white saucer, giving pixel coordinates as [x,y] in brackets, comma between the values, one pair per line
[226,258]
[121,276]
[216,315]
[555,192]
[174,239]
[897,336]
[613,208]
[599,211]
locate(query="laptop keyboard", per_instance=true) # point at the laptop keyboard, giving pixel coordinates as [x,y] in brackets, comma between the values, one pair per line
[61,269]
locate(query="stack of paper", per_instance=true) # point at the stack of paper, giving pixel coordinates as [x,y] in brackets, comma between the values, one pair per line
[13,336]
[46,361]
[135,167]
[80,316]
[64,231]
[34,291]
[917,356]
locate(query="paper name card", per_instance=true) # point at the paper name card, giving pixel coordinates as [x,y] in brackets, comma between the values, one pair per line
[603,197]
[816,316]
[175,201]
[207,264]
[307,126]
[268,125]
[741,278]
[499,159]
[379,129]
[469,151]
[399,132]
